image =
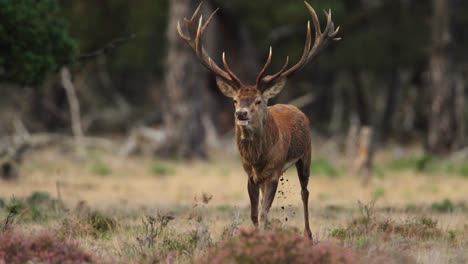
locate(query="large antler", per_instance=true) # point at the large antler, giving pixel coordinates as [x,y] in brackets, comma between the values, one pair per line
[194,39]
[310,51]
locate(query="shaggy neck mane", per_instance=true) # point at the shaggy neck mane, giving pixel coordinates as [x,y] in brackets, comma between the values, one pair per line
[254,142]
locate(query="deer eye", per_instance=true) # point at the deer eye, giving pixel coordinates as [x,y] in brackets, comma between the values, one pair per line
[258,102]
[235,101]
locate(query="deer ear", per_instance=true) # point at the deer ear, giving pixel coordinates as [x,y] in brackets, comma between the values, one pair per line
[226,88]
[274,89]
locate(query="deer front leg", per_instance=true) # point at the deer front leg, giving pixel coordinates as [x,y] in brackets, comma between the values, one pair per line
[253,189]
[268,195]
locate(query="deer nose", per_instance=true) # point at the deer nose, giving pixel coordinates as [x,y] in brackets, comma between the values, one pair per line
[241,114]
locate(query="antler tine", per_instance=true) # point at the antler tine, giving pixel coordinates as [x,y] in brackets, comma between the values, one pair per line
[181,34]
[191,23]
[315,19]
[230,72]
[198,45]
[265,67]
[328,33]
[209,19]
[273,77]
[310,51]
[194,40]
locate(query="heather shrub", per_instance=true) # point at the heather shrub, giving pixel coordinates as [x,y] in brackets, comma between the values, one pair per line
[277,246]
[74,227]
[43,248]
[92,223]
[421,228]
[155,242]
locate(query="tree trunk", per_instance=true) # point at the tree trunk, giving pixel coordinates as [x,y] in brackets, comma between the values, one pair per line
[186,85]
[359,98]
[444,126]
[383,127]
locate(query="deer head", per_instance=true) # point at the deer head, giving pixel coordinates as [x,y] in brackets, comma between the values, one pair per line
[251,100]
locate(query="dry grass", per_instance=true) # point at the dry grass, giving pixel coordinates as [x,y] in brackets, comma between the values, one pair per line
[106,198]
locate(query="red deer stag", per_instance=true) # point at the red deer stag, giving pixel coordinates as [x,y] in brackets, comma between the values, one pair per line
[270,139]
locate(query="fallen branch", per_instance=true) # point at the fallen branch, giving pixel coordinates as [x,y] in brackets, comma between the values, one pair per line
[146,139]
[108,47]
[42,140]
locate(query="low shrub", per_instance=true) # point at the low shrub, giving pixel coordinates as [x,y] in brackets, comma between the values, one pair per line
[101,224]
[421,229]
[180,243]
[460,168]
[100,168]
[323,167]
[159,169]
[42,248]
[277,246]
[444,206]
[74,227]
[93,223]
[152,228]
[14,208]
[39,206]
[419,163]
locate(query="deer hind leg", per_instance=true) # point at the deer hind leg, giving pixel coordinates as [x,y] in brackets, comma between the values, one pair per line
[253,189]
[303,172]
[268,195]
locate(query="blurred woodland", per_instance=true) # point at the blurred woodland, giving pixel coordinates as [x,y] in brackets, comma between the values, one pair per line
[400,69]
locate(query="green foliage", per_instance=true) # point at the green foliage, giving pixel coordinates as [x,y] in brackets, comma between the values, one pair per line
[323,167]
[460,168]
[420,163]
[102,225]
[2,203]
[13,209]
[37,207]
[427,163]
[378,170]
[452,235]
[100,168]
[444,206]
[38,198]
[41,206]
[34,40]
[159,169]
[378,193]
[186,243]
[15,206]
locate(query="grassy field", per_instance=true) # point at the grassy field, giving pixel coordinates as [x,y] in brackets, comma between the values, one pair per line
[142,210]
